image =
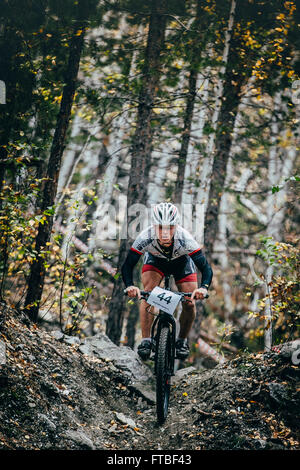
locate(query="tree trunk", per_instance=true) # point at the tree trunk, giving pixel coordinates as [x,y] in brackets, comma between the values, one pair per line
[69,158]
[156,190]
[188,195]
[106,187]
[141,152]
[229,107]
[221,242]
[189,110]
[202,195]
[37,272]
[142,142]
[186,134]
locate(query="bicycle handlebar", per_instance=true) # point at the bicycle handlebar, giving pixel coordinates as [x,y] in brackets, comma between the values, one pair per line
[145,294]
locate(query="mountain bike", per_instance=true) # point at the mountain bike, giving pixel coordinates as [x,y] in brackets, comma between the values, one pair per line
[163,335]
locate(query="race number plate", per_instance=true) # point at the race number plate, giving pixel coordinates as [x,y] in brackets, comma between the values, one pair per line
[164,299]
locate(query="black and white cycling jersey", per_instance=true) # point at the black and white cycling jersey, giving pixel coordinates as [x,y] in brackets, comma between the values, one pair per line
[179,259]
[184,244]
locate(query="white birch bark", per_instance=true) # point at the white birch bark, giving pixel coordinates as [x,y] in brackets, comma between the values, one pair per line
[278,173]
[162,157]
[101,217]
[75,206]
[90,162]
[156,190]
[206,350]
[273,177]
[70,161]
[278,199]
[116,152]
[69,157]
[203,86]
[255,209]
[221,244]
[201,196]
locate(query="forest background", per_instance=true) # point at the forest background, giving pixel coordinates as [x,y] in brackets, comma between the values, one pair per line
[108,107]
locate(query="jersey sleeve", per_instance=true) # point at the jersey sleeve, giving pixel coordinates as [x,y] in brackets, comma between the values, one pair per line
[194,250]
[141,243]
[191,246]
[127,268]
[204,267]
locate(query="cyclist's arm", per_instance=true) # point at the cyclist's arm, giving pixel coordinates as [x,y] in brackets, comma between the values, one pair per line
[203,266]
[128,265]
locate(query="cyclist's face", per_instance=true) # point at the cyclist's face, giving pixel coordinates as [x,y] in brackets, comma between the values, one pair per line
[165,233]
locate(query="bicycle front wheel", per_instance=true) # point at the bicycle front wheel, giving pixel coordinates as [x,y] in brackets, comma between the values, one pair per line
[163,375]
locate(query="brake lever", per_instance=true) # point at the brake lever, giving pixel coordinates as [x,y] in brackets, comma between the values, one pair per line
[144,294]
[189,294]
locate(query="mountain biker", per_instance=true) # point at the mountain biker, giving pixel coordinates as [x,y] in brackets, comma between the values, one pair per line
[168,249]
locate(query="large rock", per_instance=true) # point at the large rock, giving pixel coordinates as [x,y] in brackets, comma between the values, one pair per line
[183,373]
[290,350]
[73,340]
[80,438]
[145,390]
[125,420]
[124,359]
[278,392]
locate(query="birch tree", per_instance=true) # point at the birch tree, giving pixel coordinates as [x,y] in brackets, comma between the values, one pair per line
[69,157]
[280,162]
[278,172]
[219,143]
[221,242]
[202,195]
[141,150]
[200,116]
[117,152]
[189,106]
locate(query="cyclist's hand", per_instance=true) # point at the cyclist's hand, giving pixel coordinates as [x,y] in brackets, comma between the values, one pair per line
[133,291]
[199,293]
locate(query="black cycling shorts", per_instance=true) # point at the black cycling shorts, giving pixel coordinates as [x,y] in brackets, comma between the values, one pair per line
[182,268]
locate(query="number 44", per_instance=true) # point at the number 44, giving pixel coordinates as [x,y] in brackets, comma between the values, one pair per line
[166,299]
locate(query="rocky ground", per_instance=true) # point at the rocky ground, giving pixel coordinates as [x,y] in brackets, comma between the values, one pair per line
[57,392]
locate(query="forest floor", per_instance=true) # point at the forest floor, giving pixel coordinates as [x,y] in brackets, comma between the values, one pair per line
[55,395]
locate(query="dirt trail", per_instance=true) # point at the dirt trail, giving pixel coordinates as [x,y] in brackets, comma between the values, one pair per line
[55,395]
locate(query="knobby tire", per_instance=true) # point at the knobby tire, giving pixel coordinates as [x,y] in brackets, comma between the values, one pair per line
[162,374]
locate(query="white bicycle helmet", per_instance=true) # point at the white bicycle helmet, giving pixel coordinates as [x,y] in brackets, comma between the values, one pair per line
[165,213]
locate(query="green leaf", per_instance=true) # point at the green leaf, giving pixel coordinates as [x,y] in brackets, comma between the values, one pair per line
[275,189]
